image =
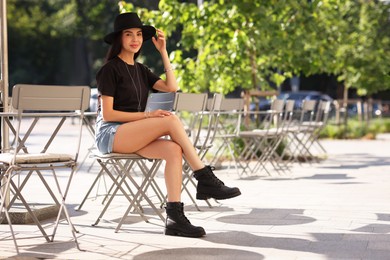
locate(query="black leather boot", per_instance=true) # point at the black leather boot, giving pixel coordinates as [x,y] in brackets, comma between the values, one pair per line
[209,186]
[177,224]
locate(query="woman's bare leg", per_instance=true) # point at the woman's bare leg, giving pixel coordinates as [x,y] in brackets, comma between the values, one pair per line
[133,136]
[172,154]
[176,223]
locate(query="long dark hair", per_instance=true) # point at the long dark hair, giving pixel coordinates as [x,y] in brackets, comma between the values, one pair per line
[116,47]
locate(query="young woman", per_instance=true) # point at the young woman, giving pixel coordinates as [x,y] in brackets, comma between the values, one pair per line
[122,126]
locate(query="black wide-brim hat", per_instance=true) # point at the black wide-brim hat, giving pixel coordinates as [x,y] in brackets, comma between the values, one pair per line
[126,21]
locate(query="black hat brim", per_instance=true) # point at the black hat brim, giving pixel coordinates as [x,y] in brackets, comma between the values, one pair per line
[147,33]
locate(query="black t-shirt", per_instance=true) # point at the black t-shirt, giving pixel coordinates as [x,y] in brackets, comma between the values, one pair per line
[129,92]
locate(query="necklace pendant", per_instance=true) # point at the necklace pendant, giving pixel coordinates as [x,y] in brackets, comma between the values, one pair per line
[138,94]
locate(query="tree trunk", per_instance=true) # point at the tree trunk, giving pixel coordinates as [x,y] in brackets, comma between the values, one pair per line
[345,108]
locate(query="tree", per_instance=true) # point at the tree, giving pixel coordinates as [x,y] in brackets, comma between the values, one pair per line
[59,42]
[254,43]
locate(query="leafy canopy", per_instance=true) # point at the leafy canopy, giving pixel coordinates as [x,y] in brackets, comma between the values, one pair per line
[258,44]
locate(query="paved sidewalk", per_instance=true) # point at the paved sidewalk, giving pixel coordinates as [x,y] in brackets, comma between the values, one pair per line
[338,209]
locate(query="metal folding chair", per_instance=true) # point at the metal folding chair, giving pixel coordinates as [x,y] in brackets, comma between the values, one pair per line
[288,116]
[274,137]
[37,102]
[120,169]
[115,166]
[228,129]
[313,130]
[200,117]
[261,143]
[299,134]
[323,110]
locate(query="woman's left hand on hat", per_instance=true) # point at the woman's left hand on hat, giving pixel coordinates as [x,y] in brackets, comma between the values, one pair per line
[160,42]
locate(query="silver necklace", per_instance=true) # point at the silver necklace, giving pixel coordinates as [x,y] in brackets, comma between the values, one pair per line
[134,85]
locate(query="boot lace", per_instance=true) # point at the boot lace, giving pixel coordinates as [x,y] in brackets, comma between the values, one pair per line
[183,218]
[214,179]
[179,217]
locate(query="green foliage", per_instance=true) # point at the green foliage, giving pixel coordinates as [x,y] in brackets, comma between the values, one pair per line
[216,47]
[260,43]
[357,129]
[332,132]
[385,126]
[57,41]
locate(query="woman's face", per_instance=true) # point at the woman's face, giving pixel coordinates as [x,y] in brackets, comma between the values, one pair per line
[132,39]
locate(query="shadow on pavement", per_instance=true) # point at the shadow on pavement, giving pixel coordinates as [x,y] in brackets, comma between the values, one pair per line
[200,253]
[331,245]
[269,217]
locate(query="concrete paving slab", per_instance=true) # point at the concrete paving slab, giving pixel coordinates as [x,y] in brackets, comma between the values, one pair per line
[337,209]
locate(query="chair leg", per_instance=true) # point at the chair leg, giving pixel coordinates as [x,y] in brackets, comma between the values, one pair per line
[245,155]
[185,181]
[123,170]
[97,182]
[63,208]
[118,186]
[90,190]
[21,186]
[141,189]
[187,178]
[226,145]
[3,207]
[233,156]
[262,146]
[30,212]
[153,184]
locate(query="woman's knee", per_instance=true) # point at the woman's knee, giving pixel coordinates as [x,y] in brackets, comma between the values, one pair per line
[172,120]
[173,151]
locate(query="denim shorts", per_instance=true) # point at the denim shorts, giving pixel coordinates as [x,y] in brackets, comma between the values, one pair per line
[105,132]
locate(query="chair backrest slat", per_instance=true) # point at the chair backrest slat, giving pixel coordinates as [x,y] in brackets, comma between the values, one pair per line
[277,105]
[309,105]
[190,107]
[190,102]
[57,101]
[230,119]
[289,107]
[232,104]
[50,97]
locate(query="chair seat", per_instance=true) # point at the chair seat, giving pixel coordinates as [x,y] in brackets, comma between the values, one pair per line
[118,167]
[133,156]
[300,128]
[266,131]
[259,133]
[38,103]
[312,124]
[204,146]
[35,158]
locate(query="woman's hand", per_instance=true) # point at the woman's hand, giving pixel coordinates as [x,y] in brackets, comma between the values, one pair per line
[160,43]
[169,84]
[157,113]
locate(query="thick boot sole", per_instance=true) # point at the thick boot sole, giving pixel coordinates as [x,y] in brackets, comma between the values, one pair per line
[205,196]
[173,232]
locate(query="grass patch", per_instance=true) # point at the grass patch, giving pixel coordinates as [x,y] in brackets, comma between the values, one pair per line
[357,129]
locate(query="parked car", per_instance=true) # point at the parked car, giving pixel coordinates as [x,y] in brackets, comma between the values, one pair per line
[93,102]
[298,97]
[262,104]
[353,110]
